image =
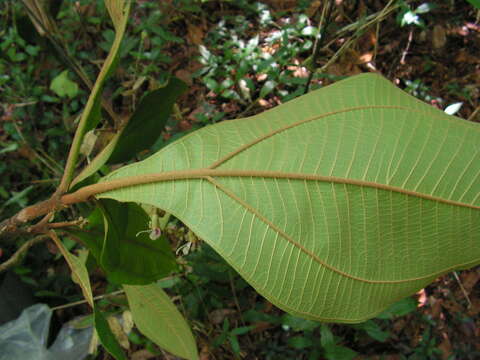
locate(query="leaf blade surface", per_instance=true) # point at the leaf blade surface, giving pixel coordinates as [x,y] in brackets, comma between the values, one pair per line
[334,205]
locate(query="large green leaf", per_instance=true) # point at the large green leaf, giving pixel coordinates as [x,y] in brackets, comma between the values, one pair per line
[333,205]
[157,318]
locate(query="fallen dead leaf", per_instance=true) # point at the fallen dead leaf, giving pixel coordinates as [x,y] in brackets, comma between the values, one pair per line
[261,77]
[205,353]
[264,103]
[365,58]
[436,307]
[195,34]
[143,354]
[184,125]
[474,310]
[230,107]
[185,76]
[439,37]
[469,280]
[217,316]
[313,8]
[118,332]
[399,325]
[299,71]
[27,152]
[464,57]
[445,346]
[261,327]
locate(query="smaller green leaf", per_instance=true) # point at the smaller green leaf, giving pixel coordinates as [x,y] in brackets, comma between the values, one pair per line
[242,330]
[213,85]
[267,88]
[63,86]
[234,343]
[158,319]
[300,342]
[326,336]
[78,268]
[336,352]
[106,336]
[231,94]
[400,308]
[128,254]
[299,324]
[220,339]
[147,122]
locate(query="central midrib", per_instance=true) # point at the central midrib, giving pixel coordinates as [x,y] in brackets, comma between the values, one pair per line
[129,181]
[210,174]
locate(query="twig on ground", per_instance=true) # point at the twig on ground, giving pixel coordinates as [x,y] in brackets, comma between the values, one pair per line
[377,30]
[369,20]
[407,48]
[463,289]
[237,304]
[340,51]
[322,25]
[474,114]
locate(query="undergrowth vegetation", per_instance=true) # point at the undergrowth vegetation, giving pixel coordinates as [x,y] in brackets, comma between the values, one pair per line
[238,58]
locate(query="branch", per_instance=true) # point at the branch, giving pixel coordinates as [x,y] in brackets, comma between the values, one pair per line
[18,255]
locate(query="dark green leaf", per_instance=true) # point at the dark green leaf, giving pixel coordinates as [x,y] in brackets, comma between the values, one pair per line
[300,342]
[106,336]
[147,122]
[475,3]
[235,345]
[241,330]
[373,330]
[92,234]
[130,257]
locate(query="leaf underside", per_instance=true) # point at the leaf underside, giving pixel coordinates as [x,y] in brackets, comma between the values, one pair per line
[334,205]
